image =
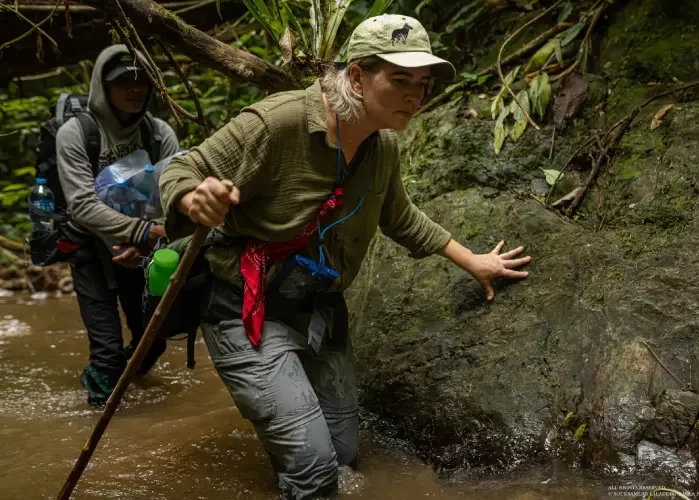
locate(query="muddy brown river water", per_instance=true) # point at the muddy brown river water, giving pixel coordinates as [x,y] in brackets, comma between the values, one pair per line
[178,434]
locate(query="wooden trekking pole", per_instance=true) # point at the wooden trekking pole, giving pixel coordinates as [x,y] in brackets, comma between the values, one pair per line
[161,312]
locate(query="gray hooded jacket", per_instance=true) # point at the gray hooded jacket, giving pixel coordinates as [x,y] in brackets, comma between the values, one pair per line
[76,172]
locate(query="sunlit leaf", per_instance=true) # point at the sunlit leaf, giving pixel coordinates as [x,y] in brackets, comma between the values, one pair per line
[24,171]
[500,131]
[541,56]
[658,118]
[580,432]
[552,176]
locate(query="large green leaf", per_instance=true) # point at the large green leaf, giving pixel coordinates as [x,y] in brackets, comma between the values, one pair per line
[336,13]
[270,19]
[540,94]
[523,99]
[520,118]
[500,130]
[498,105]
[570,34]
[540,57]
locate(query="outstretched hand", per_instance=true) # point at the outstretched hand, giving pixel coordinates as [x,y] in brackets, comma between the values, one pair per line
[486,267]
[493,265]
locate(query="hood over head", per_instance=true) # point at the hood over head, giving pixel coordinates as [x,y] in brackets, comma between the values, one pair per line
[98,101]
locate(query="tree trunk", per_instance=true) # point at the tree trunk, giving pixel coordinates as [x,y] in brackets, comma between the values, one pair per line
[159,22]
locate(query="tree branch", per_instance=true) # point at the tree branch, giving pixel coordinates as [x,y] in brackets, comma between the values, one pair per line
[622,126]
[244,67]
[185,81]
[34,26]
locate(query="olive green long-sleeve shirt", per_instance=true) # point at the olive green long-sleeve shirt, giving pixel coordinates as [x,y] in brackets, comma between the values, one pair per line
[278,154]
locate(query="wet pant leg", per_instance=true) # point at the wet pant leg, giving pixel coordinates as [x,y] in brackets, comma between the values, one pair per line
[271,389]
[99,311]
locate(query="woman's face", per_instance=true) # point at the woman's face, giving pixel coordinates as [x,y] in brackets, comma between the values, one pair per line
[393,94]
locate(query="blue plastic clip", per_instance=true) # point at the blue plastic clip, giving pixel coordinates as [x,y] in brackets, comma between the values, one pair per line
[312,266]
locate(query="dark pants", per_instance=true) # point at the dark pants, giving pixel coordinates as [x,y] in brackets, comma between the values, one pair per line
[100,286]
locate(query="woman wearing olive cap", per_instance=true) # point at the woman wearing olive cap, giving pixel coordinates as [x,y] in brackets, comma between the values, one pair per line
[315,172]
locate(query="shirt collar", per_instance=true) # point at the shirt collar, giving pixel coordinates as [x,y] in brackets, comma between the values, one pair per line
[315,110]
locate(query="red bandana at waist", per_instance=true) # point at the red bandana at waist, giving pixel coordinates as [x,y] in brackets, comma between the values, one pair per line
[258,255]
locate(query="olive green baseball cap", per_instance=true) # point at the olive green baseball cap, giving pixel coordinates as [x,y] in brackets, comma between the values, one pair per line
[400,40]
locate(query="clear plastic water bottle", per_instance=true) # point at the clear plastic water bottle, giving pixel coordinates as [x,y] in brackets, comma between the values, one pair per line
[145,187]
[42,201]
[120,198]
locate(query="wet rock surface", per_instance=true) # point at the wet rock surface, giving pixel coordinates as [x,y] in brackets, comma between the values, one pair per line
[568,362]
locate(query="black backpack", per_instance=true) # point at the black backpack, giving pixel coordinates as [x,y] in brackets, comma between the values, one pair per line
[57,246]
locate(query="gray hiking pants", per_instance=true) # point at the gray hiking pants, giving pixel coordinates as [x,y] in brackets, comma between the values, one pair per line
[303,404]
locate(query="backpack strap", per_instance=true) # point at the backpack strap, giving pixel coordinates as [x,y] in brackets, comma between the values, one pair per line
[92,139]
[150,136]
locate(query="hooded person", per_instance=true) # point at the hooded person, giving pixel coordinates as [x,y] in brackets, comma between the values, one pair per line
[118,114]
[314,174]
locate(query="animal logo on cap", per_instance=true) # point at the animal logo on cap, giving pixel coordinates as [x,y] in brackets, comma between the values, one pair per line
[401,34]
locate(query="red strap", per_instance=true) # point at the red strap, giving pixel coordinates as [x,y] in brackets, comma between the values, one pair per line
[67,246]
[258,255]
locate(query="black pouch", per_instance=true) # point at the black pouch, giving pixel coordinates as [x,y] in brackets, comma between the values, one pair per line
[291,291]
[185,313]
[57,245]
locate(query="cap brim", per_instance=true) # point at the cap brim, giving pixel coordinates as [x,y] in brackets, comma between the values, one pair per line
[117,72]
[441,68]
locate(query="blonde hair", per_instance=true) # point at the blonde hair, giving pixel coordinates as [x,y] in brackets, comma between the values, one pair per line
[337,85]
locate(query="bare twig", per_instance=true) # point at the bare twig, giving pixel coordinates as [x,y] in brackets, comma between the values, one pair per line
[132,30]
[9,133]
[127,41]
[185,81]
[684,385]
[621,127]
[444,96]
[581,50]
[499,64]
[527,48]
[567,164]
[553,141]
[36,26]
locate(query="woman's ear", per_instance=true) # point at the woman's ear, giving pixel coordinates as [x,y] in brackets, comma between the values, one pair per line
[355,74]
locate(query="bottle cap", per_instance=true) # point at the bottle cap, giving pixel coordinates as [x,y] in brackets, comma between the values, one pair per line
[166,258]
[149,168]
[41,181]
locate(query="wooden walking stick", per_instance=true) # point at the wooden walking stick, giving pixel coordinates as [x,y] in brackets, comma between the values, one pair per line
[161,312]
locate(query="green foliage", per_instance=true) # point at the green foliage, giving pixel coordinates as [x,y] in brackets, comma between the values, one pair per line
[307,29]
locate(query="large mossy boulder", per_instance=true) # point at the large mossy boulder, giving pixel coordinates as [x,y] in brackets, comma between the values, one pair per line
[593,357]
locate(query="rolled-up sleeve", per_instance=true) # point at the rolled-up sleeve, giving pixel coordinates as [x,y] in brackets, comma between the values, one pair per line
[238,152]
[404,223]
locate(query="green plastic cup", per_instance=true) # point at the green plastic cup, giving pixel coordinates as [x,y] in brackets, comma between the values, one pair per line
[162,267]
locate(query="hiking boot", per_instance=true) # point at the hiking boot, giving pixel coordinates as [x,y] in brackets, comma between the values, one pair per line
[99,384]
